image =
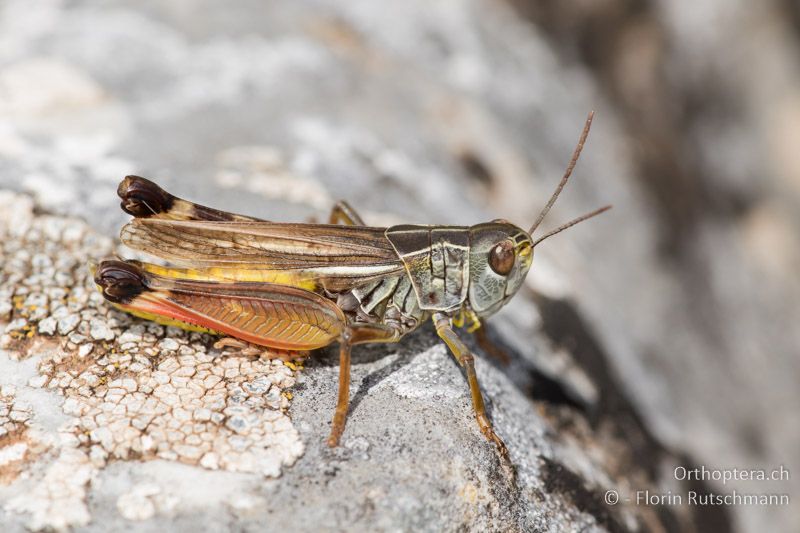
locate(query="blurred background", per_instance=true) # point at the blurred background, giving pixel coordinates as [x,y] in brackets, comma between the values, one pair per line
[461,111]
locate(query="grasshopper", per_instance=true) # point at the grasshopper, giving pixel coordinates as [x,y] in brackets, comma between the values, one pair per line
[294,286]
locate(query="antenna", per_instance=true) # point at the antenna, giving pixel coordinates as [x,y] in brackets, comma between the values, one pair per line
[575,155]
[571,223]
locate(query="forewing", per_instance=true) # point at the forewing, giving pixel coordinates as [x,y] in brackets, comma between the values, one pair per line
[333,256]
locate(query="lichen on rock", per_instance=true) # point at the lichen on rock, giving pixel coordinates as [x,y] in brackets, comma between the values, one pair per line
[127,389]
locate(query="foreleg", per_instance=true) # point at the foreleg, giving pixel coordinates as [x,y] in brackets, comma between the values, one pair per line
[467,361]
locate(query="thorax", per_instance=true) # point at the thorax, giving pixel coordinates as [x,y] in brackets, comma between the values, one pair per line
[436,259]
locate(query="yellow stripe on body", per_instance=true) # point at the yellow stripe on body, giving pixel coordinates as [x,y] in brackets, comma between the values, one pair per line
[232,273]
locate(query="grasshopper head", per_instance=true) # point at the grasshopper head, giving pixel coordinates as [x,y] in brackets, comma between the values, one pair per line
[501,253]
[499,258]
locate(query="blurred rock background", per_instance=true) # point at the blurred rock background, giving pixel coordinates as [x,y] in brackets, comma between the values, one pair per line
[678,310]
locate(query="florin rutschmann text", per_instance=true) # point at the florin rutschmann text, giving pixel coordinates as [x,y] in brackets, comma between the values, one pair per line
[645,497]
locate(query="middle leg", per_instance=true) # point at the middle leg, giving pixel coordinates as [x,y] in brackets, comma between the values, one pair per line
[343,213]
[356,334]
[343,401]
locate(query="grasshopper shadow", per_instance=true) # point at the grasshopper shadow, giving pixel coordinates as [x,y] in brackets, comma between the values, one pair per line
[520,371]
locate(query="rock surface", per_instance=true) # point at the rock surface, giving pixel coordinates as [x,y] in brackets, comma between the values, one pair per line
[100,419]
[663,335]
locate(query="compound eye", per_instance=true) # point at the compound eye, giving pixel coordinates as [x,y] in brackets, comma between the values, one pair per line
[501,258]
